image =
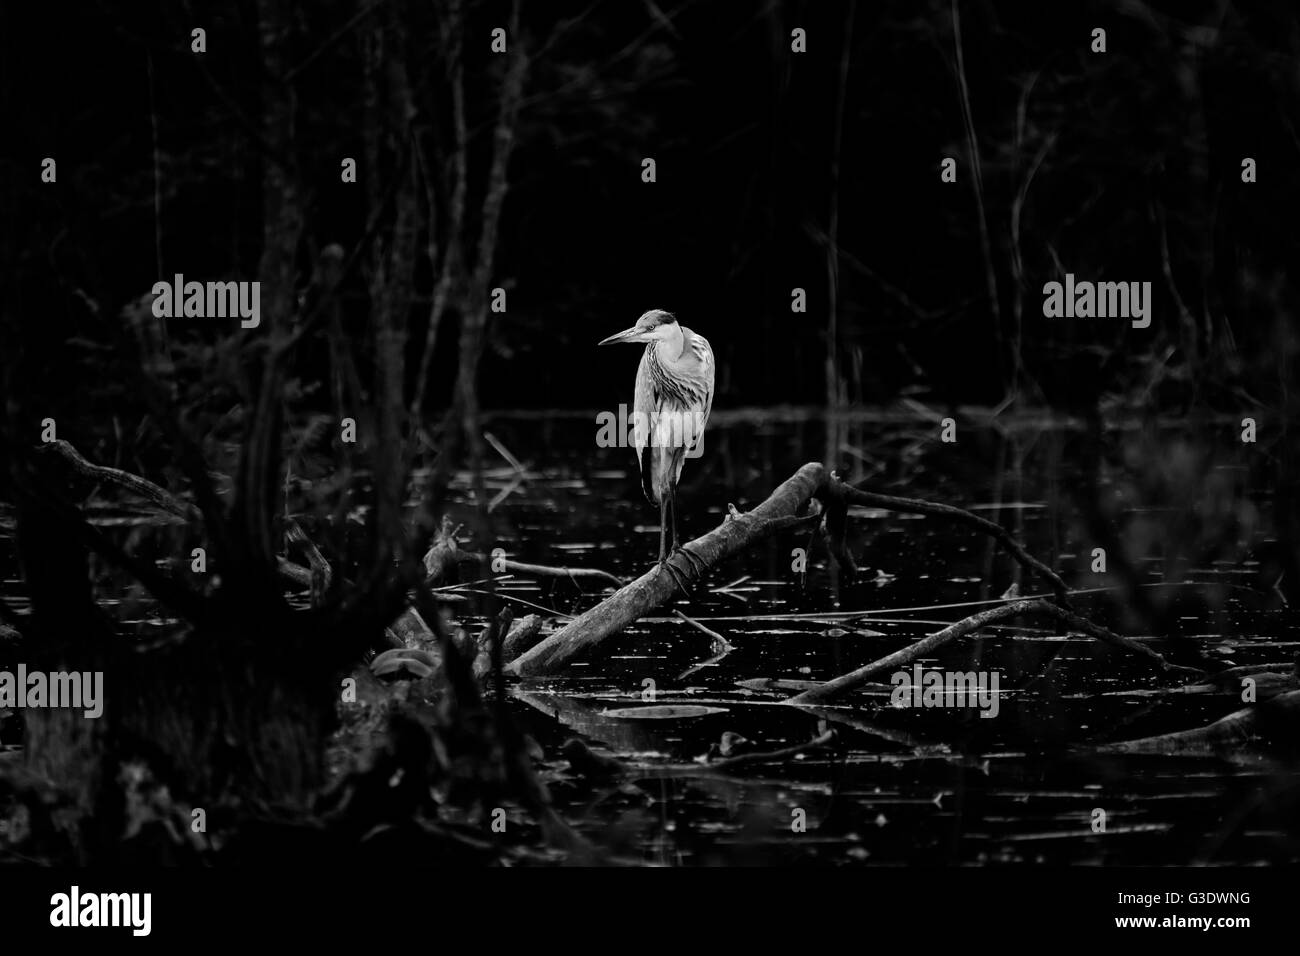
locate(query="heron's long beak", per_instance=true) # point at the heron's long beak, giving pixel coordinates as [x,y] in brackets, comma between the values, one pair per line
[627,335]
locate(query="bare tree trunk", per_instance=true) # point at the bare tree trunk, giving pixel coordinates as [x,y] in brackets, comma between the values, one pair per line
[835,392]
[474,319]
[391,278]
[234,707]
[259,479]
[977,180]
[345,385]
[448,269]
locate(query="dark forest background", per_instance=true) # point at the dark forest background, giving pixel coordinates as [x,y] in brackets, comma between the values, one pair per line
[1124,166]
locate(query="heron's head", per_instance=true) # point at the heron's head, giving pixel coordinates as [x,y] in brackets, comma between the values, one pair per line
[654,326]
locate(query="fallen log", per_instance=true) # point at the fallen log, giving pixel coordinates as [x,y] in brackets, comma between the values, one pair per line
[524,634]
[1277,717]
[784,508]
[658,585]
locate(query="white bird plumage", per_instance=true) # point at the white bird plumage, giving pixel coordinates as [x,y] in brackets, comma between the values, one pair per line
[671,405]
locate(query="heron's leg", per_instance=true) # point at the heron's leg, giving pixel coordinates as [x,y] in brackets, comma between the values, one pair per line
[697,563]
[677,576]
[663,529]
[665,519]
[672,512]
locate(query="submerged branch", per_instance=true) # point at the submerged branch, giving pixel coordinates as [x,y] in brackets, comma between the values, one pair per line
[1276,717]
[967,625]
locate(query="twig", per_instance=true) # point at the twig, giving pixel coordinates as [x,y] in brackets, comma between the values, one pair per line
[821,740]
[518,600]
[322,576]
[331,40]
[719,641]
[536,570]
[720,646]
[504,452]
[505,493]
[146,489]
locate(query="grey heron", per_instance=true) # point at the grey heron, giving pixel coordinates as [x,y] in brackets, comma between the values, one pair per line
[674,394]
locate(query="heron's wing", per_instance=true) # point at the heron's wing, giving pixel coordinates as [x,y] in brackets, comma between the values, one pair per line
[645,406]
[704,353]
[671,408]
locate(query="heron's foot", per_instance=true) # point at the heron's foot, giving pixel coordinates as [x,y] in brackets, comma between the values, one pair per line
[667,565]
[698,564]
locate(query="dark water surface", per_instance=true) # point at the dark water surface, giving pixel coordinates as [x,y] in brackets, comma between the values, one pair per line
[1192,510]
[929,785]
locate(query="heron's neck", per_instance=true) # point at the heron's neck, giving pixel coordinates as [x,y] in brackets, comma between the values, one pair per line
[674,345]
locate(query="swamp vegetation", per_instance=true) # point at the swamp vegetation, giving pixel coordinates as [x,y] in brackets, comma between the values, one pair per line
[362,582]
